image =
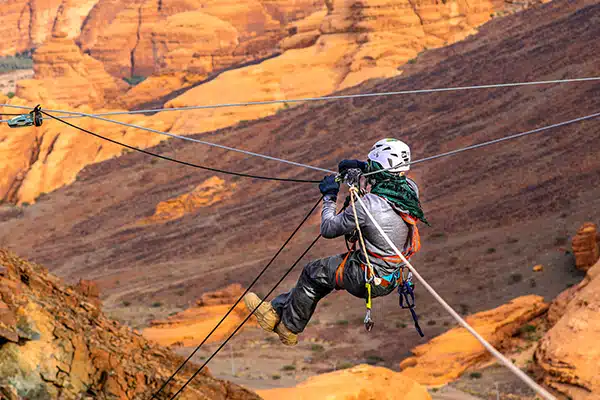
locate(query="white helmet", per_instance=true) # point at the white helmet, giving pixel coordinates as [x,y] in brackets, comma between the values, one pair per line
[391,152]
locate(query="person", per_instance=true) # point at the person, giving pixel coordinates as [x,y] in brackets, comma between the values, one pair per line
[393,201]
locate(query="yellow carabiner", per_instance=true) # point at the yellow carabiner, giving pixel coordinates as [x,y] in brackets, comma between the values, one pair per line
[368,286]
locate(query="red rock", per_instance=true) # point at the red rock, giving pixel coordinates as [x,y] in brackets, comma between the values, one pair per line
[585,246]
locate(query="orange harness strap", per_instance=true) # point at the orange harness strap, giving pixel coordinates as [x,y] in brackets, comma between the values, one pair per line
[339,272]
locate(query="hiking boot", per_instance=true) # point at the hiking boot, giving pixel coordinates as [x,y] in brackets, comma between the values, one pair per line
[266,315]
[286,336]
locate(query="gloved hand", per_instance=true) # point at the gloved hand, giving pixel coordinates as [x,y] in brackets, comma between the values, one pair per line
[329,187]
[345,165]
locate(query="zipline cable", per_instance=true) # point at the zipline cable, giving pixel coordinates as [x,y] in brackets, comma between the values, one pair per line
[178,161]
[248,317]
[322,98]
[514,369]
[241,297]
[490,142]
[220,146]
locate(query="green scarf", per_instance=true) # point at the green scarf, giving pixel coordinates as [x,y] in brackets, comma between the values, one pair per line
[397,190]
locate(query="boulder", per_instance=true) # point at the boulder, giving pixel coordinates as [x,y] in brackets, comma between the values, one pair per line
[446,357]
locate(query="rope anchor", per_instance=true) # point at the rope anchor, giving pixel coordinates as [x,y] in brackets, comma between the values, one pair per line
[34,118]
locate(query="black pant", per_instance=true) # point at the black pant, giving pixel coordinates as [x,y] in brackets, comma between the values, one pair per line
[317,280]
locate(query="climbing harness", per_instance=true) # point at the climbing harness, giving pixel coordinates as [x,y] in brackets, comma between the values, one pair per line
[33,118]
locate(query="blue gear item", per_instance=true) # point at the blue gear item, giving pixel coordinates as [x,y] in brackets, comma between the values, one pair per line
[329,187]
[345,165]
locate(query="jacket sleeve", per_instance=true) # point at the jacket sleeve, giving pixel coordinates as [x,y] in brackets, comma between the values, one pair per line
[333,225]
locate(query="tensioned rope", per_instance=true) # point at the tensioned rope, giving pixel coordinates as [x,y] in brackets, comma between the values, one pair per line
[241,297]
[176,160]
[220,146]
[499,356]
[337,97]
[488,143]
[247,317]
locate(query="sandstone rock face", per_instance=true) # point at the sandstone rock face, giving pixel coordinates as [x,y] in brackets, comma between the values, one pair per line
[447,356]
[209,192]
[324,50]
[353,42]
[54,343]
[585,246]
[39,160]
[63,74]
[190,327]
[569,354]
[362,382]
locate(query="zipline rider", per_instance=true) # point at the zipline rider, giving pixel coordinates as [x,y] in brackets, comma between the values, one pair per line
[394,203]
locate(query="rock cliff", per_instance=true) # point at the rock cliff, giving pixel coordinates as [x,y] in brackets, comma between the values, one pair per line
[446,357]
[55,342]
[569,355]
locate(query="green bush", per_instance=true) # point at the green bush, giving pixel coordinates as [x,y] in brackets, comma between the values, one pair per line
[156,304]
[126,303]
[10,95]
[135,80]
[288,368]
[317,348]
[475,375]
[19,61]
[276,377]
[343,322]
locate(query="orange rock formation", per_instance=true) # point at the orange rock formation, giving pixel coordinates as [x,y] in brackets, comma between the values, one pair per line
[363,382]
[324,50]
[64,75]
[191,326]
[447,356]
[569,354]
[209,192]
[585,246]
[55,343]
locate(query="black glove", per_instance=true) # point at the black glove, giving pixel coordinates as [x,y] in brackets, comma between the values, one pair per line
[345,165]
[329,187]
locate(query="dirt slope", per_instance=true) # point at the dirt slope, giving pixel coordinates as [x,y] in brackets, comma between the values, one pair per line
[495,212]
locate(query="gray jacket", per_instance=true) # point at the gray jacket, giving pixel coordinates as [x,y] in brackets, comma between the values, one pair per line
[393,225]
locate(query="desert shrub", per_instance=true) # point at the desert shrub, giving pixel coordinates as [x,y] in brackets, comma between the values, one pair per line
[156,304]
[317,348]
[22,60]
[475,375]
[342,322]
[288,368]
[135,80]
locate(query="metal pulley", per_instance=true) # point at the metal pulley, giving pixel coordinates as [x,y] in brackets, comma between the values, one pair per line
[34,118]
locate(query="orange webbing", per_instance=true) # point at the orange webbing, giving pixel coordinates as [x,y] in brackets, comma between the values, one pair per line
[339,272]
[415,242]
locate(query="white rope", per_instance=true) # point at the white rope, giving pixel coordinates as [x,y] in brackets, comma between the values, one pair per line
[513,368]
[490,142]
[338,97]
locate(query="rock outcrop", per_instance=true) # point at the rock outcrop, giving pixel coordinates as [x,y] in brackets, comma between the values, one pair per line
[353,42]
[585,246]
[209,192]
[447,356]
[56,343]
[190,327]
[569,355]
[65,75]
[362,382]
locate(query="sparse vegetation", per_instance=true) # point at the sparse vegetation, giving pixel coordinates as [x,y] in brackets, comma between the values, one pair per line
[400,325]
[317,348]
[512,240]
[527,328]
[431,322]
[288,368]
[438,235]
[276,377]
[22,60]
[345,365]
[10,95]
[342,322]
[135,80]
[464,309]
[374,359]
[515,278]
[491,250]
[25,204]
[412,61]
[156,304]
[126,303]
[475,375]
